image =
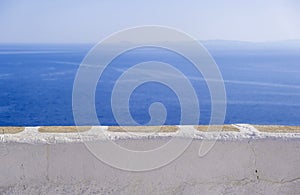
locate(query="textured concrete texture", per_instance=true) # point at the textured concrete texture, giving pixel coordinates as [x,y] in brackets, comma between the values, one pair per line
[63,129]
[248,166]
[277,128]
[11,130]
[143,128]
[205,128]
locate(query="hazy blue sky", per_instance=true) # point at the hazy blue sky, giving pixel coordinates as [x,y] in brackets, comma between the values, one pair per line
[89,21]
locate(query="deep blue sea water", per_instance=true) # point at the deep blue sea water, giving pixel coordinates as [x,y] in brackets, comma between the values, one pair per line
[36,81]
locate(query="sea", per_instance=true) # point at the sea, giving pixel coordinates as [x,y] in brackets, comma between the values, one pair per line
[262,83]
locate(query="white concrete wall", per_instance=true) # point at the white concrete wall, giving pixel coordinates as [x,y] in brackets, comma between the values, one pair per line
[261,166]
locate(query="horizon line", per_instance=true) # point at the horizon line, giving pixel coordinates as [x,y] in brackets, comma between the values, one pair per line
[93,43]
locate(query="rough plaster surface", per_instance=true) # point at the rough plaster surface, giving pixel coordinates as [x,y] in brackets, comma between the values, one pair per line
[233,166]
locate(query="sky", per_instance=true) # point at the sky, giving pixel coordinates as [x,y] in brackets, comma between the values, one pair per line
[89,21]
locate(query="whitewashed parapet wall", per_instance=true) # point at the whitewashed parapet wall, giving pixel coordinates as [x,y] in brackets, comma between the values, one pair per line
[245,162]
